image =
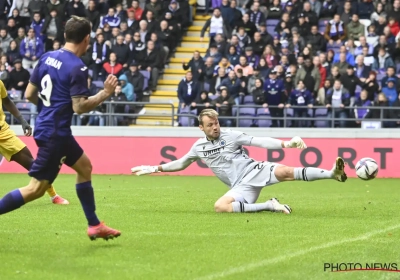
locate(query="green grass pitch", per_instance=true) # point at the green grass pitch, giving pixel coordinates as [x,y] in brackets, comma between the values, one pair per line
[170,231]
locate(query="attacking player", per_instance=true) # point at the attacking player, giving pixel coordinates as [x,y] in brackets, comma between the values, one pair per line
[222,151]
[11,147]
[60,81]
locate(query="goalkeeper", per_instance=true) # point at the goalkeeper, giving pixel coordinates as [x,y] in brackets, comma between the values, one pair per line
[223,152]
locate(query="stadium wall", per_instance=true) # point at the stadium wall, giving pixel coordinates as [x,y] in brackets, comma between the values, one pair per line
[114,150]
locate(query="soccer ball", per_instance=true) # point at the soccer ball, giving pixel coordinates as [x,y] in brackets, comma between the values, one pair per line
[367,169]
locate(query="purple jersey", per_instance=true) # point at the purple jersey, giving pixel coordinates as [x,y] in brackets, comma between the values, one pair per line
[59,76]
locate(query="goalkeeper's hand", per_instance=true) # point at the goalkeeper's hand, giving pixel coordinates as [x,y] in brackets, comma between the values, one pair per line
[295,142]
[144,169]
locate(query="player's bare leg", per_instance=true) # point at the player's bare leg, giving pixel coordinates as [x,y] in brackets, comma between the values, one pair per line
[286,173]
[84,190]
[229,204]
[25,159]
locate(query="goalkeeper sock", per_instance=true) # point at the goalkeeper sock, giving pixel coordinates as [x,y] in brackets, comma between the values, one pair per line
[240,207]
[86,196]
[312,174]
[51,192]
[11,201]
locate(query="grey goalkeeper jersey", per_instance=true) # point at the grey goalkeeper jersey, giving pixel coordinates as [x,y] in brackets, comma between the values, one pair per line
[224,156]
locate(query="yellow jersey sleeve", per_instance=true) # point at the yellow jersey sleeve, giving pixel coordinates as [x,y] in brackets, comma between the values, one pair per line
[3,91]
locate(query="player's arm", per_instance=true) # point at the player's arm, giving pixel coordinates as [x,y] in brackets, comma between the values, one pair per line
[31,93]
[10,106]
[81,102]
[173,166]
[267,142]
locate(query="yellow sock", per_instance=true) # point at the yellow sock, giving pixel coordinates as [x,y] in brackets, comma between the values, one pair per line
[51,191]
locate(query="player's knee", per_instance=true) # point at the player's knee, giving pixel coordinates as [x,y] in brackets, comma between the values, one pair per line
[38,188]
[221,207]
[284,173]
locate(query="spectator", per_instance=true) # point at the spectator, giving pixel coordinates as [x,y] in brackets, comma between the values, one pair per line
[131,21]
[137,46]
[75,8]
[217,80]
[321,69]
[21,13]
[309,76]
[395,12]
[384,113]
[37,6]
[224,64]
[118,96]
[224,104]
[342,64]
[188,91]
[37,26]
[360,110]
[19,77]
[214,54]
[244,40]
[258,93]
[122,51]
[365,9]
[233,57]
[275,96]
[335,30]
[13,53]
[195,65]
[59,7]
[256,16]
[216,24]
[370,85]
[150,60]
[383,61]
[301,27]
[322,92]
[395,113]
[310,16]
[93,15]
[201,103]
[251,83]
[270,56]
[220,43]
[355,29]
[380,25]
[127,89]
[390,39]
[100,53]
[389,89]
[329,9]
[300,97]
[136,79]
[346,12]
[316,40]
[246,68]
[379,12]
[112,67]
[391,73]
[249,27]
[275,10]
[31,50]
[155,7]
[350,81]
[4,75]
[234,86]
[236,15]
[5,39]
[316,7]
[111,19]
[382,43]
[337,99]
[12,29]
[394,26]
[152,25]
[53,29]
[368,58]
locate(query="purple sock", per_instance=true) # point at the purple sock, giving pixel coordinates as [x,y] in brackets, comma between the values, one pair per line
[11,201]
[86,196]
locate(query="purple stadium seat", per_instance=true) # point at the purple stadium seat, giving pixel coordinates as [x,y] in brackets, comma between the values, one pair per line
[234,111]
[25,109]
[248,99]
[15,94]
[207,87]
[321,113]
[263,112]
[322,25]
[398,68]
[90,72]
[271,24]
[30,70]
[146,76]
[213,97]
[184,121]
[98,84]
[289,114]
[248,112]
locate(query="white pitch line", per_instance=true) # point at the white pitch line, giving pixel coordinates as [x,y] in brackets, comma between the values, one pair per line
[285,257]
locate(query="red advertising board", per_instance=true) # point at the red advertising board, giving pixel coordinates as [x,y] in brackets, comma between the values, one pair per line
[116,155]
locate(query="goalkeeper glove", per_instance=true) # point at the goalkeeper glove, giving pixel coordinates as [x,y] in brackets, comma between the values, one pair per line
[144,169]
[295,142]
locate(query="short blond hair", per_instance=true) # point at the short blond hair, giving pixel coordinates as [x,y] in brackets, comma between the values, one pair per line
[211,113]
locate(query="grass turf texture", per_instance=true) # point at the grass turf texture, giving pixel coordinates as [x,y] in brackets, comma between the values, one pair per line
[169,231]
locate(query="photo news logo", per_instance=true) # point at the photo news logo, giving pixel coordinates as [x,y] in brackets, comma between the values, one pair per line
[347,267]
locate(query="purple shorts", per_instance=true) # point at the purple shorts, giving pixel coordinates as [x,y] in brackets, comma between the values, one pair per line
[52,154]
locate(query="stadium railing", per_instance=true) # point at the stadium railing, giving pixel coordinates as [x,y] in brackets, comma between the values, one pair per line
[253,114]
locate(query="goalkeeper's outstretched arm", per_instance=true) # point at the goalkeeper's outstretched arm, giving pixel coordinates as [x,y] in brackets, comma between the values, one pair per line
[273,143]
[173,166]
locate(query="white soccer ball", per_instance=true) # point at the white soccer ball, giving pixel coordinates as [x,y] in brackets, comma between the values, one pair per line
[367,169]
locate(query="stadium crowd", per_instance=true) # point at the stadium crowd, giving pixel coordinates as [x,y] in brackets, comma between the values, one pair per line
[130,39]
[341,55]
